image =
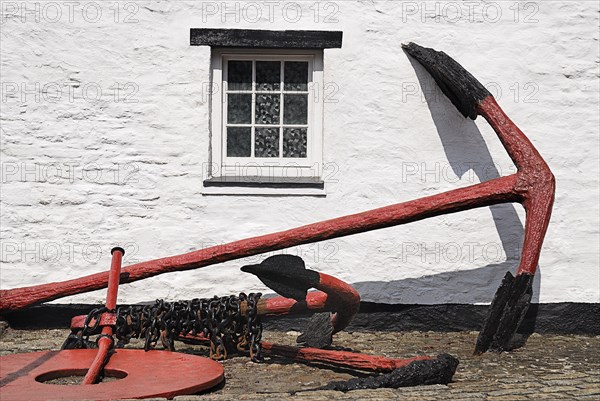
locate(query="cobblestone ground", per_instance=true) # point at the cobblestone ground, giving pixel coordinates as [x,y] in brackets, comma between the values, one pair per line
[549,367]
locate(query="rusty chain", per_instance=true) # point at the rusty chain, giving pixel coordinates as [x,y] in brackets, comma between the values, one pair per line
[81,338]
[229,323]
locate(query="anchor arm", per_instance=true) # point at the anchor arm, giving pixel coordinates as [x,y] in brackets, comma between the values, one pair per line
[535,187]
[499,190]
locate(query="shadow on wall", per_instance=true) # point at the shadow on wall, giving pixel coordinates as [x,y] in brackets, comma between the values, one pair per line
[465,150]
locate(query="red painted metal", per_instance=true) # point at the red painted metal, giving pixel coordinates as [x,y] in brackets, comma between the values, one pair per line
[23,376]
[334,296]
[535,183]
[352,360]
[105,342]
[142,375]
[105,319]
[342,297]
[316,301]
[499,190]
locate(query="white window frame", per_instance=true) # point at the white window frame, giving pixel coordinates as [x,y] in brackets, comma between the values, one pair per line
[265,169]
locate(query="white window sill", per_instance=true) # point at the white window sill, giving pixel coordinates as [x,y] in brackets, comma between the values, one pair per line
[258,187]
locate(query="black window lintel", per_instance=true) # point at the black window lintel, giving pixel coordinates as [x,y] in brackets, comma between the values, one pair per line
[253,38]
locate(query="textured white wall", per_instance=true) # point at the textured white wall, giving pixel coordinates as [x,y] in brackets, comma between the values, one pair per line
[131,172]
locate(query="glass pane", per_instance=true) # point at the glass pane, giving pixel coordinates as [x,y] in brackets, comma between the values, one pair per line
[240,75]
[268,75]
[294,142]
[239,109]
[296,76]
[267,109]
[295,109]
[267,142]
[238,141]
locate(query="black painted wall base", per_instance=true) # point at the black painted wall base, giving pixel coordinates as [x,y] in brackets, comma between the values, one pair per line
[559,318]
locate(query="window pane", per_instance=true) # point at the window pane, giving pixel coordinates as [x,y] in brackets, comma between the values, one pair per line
[267,109]
[240,75]
[294,142]
[267,142]
[239,109]
[295,109]
[296,76]
[268,75]
[238,141]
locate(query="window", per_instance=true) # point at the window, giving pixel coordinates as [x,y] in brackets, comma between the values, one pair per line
[267,107]
[267,114]
[266,110]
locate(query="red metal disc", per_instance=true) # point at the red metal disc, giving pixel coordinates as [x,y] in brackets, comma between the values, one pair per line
[141,375]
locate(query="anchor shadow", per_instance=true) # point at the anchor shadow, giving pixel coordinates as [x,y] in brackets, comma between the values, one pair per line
[466,152]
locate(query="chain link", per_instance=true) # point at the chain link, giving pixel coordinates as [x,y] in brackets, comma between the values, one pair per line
[229,323]
[81,339]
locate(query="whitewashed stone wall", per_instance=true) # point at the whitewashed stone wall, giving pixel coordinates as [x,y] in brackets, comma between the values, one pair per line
[86,166]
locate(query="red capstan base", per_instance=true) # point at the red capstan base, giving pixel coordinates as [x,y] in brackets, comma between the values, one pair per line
[140,375]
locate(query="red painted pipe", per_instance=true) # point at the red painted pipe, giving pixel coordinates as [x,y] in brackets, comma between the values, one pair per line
[334,296]
[105,341]
[499,190]
[353,360]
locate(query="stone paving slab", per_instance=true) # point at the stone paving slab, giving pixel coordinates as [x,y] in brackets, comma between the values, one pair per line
[548,367]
